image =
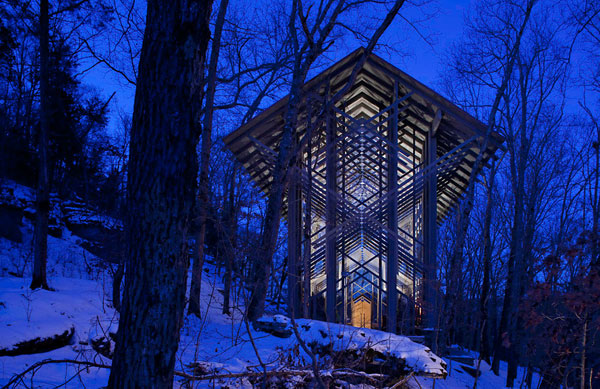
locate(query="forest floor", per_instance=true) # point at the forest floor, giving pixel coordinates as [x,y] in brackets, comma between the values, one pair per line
[220,343]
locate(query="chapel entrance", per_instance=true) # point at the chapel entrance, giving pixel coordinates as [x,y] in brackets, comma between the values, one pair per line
[361,312]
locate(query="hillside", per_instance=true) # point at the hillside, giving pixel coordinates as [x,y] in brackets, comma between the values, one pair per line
[75,322]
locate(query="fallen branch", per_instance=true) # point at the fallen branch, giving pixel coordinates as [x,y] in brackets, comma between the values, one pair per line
[341,373]
[19,377]
[338,373]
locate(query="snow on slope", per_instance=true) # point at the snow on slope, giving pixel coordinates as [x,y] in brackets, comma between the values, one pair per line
[457,378]
[74,303]
[221,342]
[28,314]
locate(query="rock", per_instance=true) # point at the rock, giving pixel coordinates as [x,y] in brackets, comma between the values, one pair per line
[105,346]
[18,201]
[277,325]
[101,235]
[10,222]
[40,345]
[12,204]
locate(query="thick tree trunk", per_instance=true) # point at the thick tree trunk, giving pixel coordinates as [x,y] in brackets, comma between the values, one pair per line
[478,164]
[161,191]
[42,200]
[518,237]
[203,198]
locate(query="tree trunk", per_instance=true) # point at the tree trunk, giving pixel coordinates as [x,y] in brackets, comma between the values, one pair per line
[583,353]
[518,234]
[230,240]
[596,205]
[506,338]
[116,287]
[455,271]
[264,256]
[487,268]
[467,204]
[203,198]
[161,191]
[42,203]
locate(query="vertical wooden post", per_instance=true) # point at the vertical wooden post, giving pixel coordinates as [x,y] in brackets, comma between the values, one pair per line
[307,222]
[392,259]
[294,241]
[380,245]
[430,227]
[343,248]
[330,249]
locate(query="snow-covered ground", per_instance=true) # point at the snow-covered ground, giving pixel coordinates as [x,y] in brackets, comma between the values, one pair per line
[220,343]
[27,314]
[219,340]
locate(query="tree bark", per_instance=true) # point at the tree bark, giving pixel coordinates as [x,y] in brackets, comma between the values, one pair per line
[42,203]
[161,191]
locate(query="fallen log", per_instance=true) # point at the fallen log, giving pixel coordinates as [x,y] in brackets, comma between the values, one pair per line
[39,344]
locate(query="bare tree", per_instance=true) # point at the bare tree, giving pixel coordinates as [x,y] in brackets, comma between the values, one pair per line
[42,198]
[478,62]
[531,120]
[204,185]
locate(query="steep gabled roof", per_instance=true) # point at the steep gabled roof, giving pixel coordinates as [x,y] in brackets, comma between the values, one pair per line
[256,143]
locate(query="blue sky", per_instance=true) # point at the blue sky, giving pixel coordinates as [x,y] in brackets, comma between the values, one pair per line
[423,62]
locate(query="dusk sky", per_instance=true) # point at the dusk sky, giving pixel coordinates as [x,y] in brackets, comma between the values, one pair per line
[423,61]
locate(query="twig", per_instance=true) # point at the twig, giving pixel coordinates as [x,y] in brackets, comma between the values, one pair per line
[420,387]
[264,367]
[19,377]
[403,381]
[307,350]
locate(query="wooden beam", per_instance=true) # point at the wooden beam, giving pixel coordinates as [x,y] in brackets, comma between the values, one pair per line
[330,222]
[429,231]
[392,260]
[294,241]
